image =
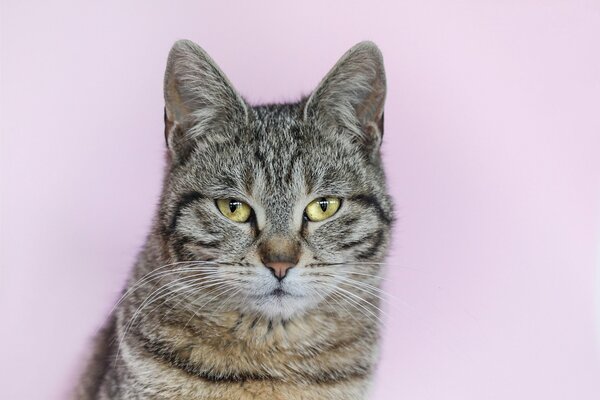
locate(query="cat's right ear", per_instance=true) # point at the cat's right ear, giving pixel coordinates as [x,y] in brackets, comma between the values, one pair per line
[199,99]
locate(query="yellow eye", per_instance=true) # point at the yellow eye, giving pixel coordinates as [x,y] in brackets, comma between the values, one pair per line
[235,210]
[322,208]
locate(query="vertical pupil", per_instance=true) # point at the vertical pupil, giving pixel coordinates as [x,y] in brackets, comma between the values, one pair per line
[323,203]
[233,205]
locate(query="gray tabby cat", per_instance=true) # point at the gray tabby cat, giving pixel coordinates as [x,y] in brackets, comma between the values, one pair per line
[260,277]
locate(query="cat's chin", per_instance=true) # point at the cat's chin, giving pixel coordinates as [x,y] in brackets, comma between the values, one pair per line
[280,305]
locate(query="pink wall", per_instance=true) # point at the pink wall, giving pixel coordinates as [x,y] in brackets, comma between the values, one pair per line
[492,147]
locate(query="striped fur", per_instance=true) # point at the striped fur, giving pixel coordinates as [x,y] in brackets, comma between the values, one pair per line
[202,317]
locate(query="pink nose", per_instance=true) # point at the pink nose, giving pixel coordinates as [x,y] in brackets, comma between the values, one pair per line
[279,269]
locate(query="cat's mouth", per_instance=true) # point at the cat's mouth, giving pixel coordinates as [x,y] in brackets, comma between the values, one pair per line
[279,301]
[279,292]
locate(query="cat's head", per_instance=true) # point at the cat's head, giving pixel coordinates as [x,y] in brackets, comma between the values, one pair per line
[274,209]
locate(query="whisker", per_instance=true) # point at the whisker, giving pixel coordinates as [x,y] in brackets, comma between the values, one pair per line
[150,276]
[195,313]
[223,278]
[348,293]
[188,266]
[371,316]
[164,290]
[376,291]
[191,288]
[338,303]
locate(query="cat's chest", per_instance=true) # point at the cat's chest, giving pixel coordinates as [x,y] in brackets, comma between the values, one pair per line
[257,359]
[237,344]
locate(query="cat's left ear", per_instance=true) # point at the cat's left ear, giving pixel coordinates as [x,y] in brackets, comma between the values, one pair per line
[351,97]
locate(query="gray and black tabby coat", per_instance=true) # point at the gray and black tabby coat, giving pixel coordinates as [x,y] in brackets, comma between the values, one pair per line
[203,315]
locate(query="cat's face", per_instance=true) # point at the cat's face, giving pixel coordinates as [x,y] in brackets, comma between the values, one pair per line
[276,208]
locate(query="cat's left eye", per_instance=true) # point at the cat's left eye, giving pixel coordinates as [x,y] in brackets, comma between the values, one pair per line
[235,210]
[322,208]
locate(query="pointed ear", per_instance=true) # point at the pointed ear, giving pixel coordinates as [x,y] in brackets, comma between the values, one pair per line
[199,99]
[352,95]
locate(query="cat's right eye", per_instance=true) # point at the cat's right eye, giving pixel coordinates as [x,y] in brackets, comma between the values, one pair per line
[235,210]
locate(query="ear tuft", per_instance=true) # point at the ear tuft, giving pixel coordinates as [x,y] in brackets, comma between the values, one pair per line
[352,94]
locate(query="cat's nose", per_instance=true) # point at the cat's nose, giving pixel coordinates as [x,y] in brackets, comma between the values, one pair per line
[279,254]
[279,268]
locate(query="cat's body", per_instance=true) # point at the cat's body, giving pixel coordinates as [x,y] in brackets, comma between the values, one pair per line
[281,304]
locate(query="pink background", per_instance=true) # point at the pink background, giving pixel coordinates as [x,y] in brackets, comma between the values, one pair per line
[492,147]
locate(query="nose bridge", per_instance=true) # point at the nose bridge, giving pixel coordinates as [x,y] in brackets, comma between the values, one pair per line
[279,248]
[279,216]
[279,242]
